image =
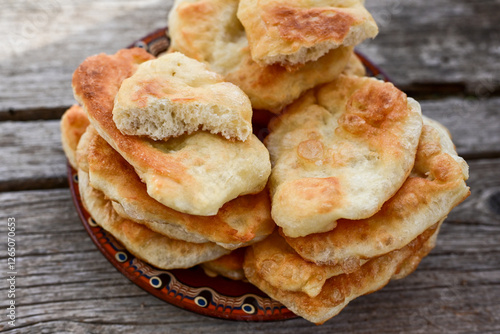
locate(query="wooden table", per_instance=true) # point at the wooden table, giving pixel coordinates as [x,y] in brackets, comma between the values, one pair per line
[444,53]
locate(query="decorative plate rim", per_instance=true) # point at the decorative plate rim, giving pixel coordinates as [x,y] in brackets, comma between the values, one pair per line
[205,299]
[170,285]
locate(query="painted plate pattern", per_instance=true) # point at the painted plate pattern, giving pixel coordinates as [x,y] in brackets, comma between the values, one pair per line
[190,289]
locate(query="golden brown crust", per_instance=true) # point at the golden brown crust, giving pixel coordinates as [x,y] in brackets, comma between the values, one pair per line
[95,84]
[411,263]
[436,185]
[175,95]
[154,248]
[182,173]
[338,290]
[273,87]
[301,31]
[74,122]
[209,31]
[280,266]
[230,265]
[239,222]
[97,80]
[340,151]
[308,25]
[373,110]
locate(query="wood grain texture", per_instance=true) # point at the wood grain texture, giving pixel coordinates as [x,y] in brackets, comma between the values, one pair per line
[31,156]
[443,52]
[444,43]
[46,40]
[65,285]
[450,44]
[473,123]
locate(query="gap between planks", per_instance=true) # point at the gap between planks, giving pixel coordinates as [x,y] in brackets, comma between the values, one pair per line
[418,91]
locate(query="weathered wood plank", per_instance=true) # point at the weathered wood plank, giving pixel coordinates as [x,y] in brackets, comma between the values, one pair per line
[45,41]
[473,123]
[419,43]
[32,114]
[31,156]
[453,42]
[483,206]
[65,285]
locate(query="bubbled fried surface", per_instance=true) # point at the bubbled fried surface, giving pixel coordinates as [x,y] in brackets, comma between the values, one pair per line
[340,151]
[300,31]
[195,174]
[74,122]
[209,31]
[239,222]
[230,265]
[436,185]
[280,266]
[145,244]
[339,290]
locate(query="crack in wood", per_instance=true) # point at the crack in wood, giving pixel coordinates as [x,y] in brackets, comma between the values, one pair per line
[480,155]
[417,90]
[32,114]
[494,202]
[36,184]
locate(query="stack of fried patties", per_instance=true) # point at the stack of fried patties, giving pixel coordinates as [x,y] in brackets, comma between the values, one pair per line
[168,164]
[274,50]
[361,181]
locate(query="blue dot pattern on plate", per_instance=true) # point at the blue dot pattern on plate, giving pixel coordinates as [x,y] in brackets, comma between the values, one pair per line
[248,308]
[142,45]
[92,222]
[201,301]
[121,257]
[169,286]
[155,282]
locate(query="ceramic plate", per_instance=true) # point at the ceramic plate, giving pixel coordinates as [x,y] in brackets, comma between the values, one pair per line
[190,289]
